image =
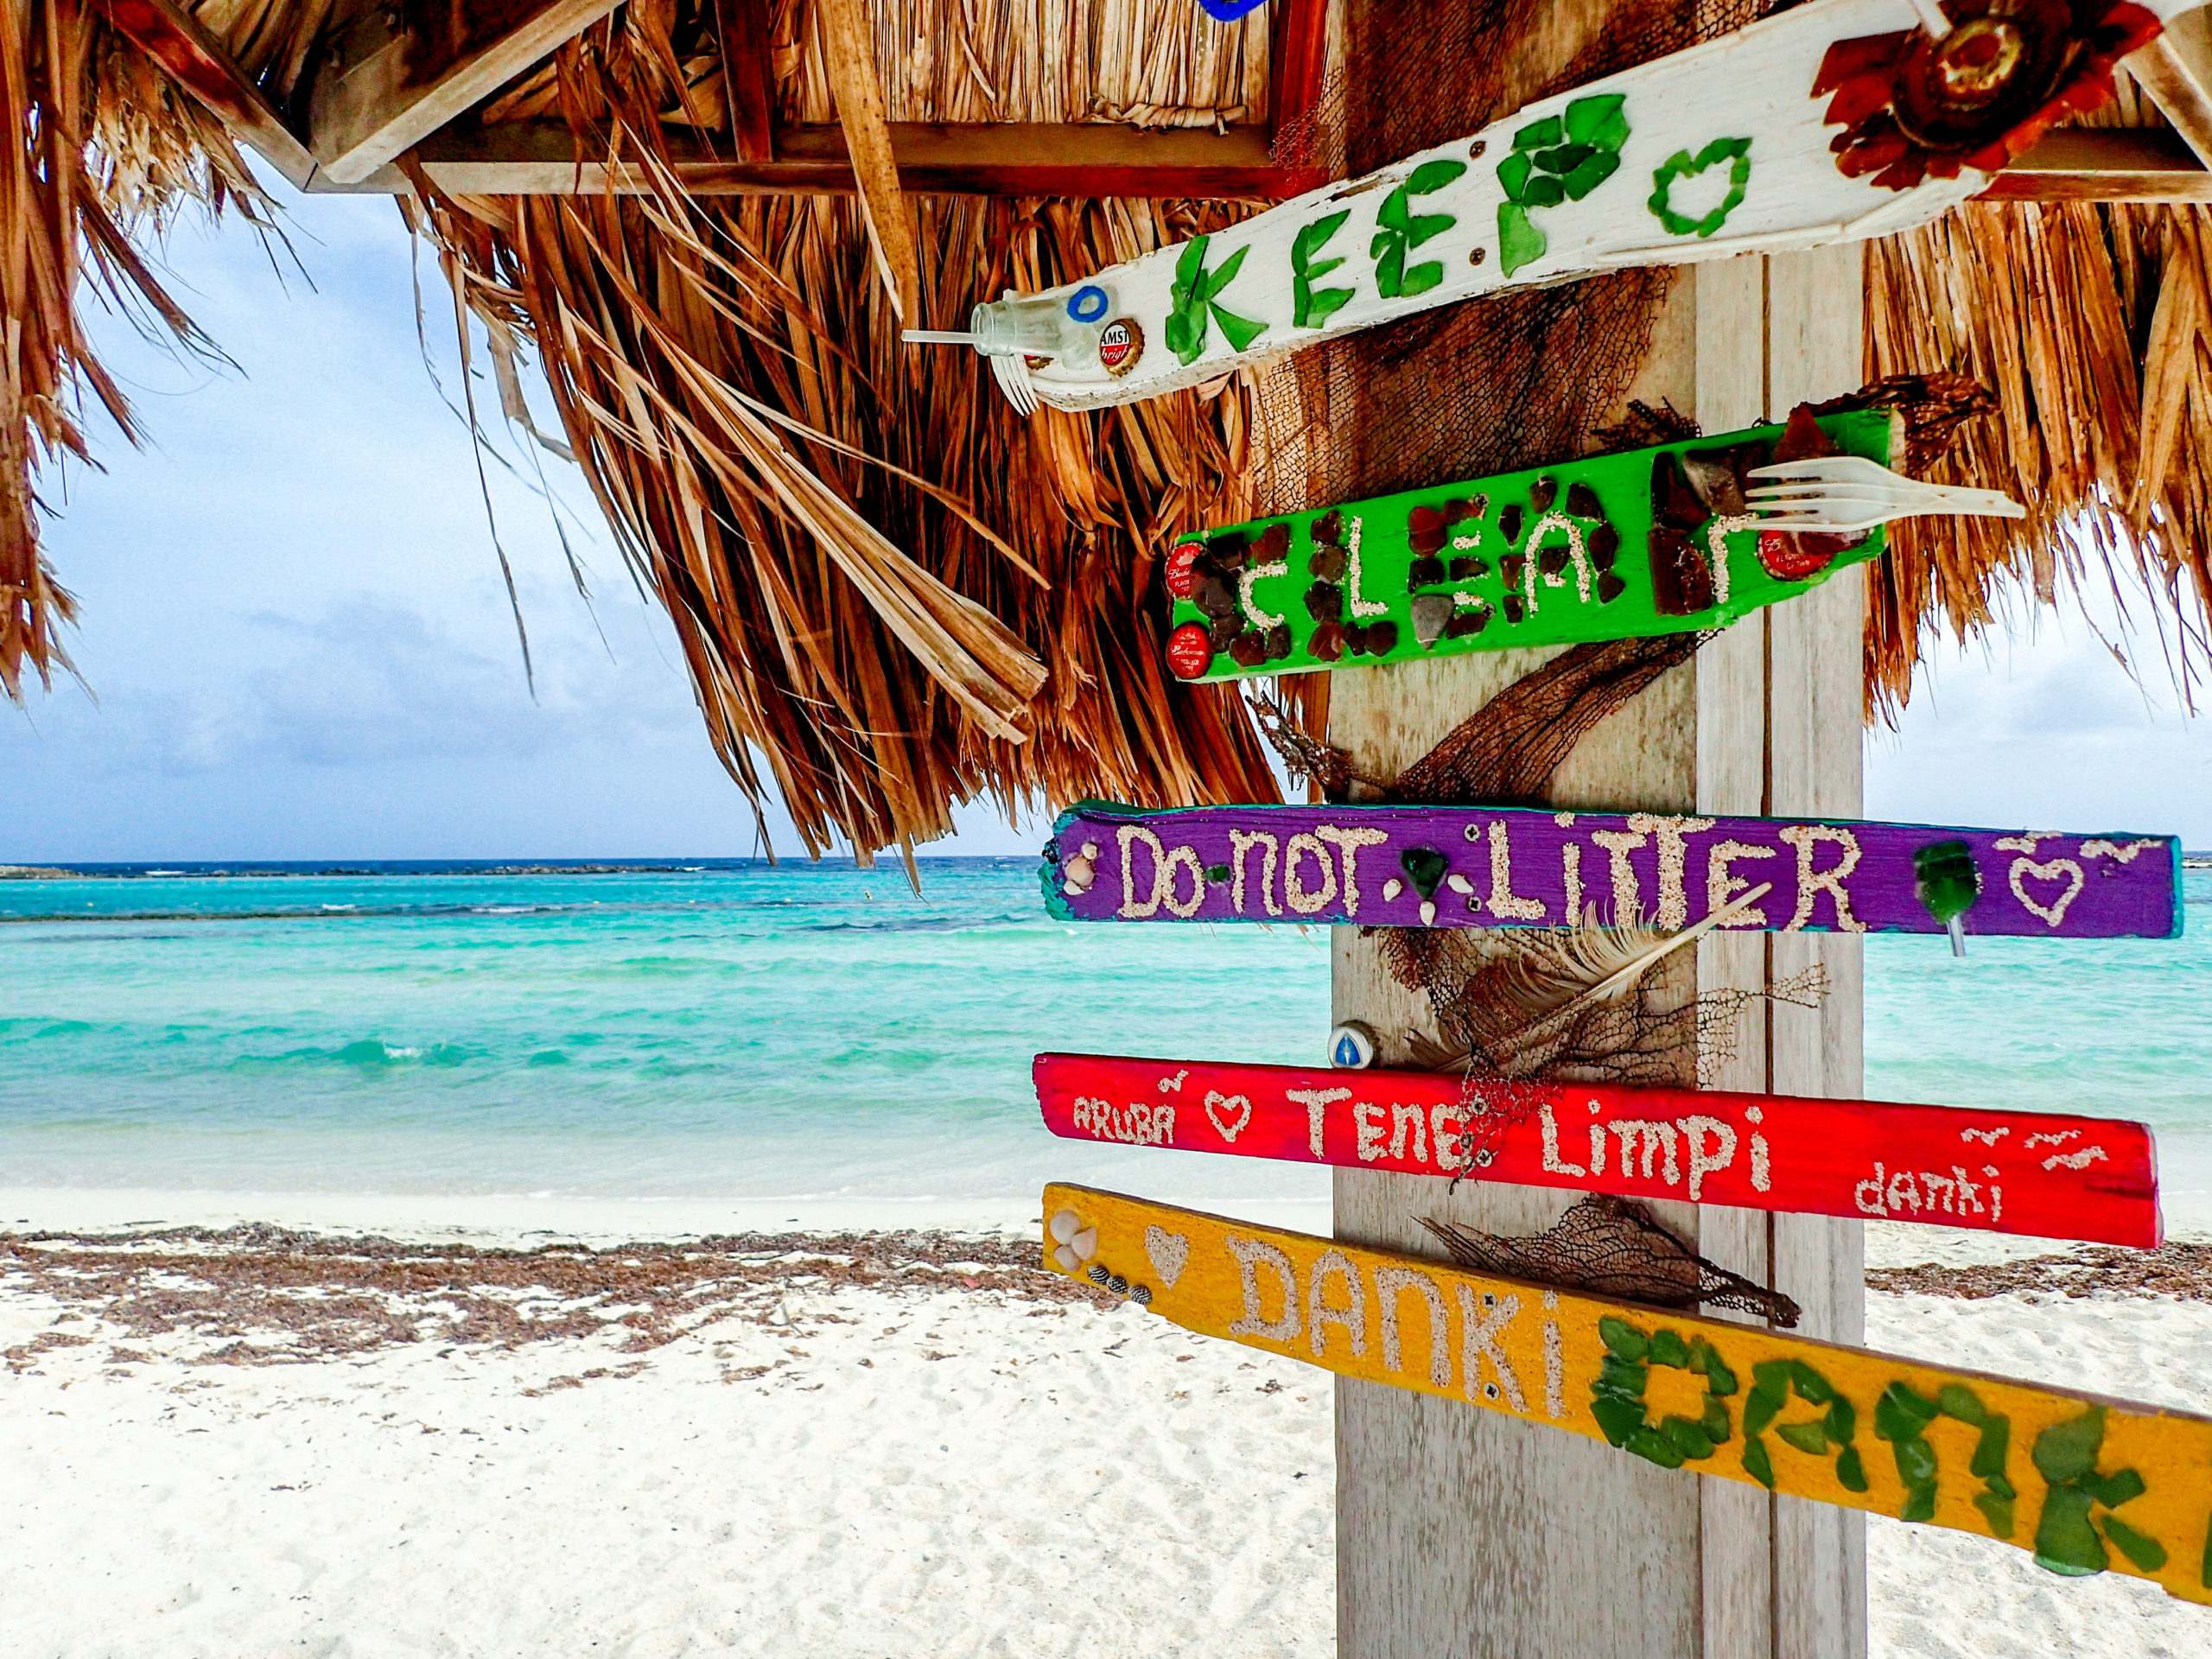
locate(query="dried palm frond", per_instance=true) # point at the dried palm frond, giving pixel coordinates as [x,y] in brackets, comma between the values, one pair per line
[99,144]
[893,594]
[1611,1247]
[2090,320]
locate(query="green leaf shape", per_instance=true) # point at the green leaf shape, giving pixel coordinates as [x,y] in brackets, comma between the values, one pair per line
[1519,242]
[1681,165]
[1217,873]
[1919,1502]
[1240,332]
[2114,1489]
[1391,268]
[1849,1472]
[1180,339]
[1617,1419]
[1760,1467]
[1512,175]
[1812,1387]
[1564,159]
[1229,268]
[1998,1512]
[1188,269]
[1427,225]
[1592,174]
[1705,1359]
[2204,1568]
[2066,1452]
[2065,1542]
[1668,1348]
[1540,135]
[1432,176]
[1594,120]
[1321,304]
[1915,1461]
[1624,1339]
[1842,1419]
[1312,239]
[1901,1414]
[1954,1400]
[1650,1443]
[1623,1379]
[1715,1422]
[1760,1408]
[1543,191]
[1689,1438]
[1805,1437]
[1420,278]
[2146,1552]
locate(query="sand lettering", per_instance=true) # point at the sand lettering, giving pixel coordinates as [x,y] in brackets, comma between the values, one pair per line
[1242,842]
[1367,1130]
[1352,1317]
[1401,1118]
[1314,1101]
[1628,896]
[1555,1361]
[1448,1133]
[1674,911]
[1478,1334]
[1502,900]
[1553,1164]
[1252,1255]
[1811,883]
[1706,1161]
[1571,868]
[1165,866]
[1139,1125]
[1305,902]
[1348,842]
[1390,1286]
[1723,884]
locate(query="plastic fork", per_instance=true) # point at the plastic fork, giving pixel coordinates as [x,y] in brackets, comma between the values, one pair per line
[1837,493]
[1013,376]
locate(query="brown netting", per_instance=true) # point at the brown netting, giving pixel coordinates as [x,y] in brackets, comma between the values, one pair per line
[1509,381]
[1611,1247]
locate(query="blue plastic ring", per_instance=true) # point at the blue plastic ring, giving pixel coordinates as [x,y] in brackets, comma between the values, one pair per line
[1088,303]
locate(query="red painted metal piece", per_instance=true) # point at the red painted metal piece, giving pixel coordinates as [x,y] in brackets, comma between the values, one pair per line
[2037,1175]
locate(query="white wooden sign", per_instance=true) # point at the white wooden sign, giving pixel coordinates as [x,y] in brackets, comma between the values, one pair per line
[1835,121]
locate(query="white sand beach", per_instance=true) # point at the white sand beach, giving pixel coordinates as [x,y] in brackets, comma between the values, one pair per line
[269,1441]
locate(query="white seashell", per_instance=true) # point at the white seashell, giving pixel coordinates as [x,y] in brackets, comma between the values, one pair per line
[1393,887]
[1091,849]
[1459,883]
[1084,1244]
[1074,890]
[1064,1226]
[1427,912]
[1067,1258]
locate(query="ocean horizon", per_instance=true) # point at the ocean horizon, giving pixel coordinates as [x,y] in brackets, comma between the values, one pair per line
[798,1041]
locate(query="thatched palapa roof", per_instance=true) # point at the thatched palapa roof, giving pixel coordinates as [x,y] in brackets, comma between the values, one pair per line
[894,594]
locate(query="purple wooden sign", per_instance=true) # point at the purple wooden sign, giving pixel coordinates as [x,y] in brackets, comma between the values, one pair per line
[1477,866]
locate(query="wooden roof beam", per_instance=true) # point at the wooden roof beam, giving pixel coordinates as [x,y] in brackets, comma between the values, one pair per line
[2105,164]
[192,58]
[395,73]
[1000,158]
[2176,70]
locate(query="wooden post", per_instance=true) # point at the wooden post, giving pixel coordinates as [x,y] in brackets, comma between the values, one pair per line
[1463,1533]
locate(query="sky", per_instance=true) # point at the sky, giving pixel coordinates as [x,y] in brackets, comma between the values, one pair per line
[298,645]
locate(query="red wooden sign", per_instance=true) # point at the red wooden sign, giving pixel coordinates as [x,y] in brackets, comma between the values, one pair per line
[2040,1174]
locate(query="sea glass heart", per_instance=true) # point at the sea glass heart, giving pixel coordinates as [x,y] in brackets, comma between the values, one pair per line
[1425,868]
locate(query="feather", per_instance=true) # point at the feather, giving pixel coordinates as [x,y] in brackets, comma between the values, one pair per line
[1523,1006]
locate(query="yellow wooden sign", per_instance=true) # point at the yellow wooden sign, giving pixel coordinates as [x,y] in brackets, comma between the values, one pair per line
[2086,1483]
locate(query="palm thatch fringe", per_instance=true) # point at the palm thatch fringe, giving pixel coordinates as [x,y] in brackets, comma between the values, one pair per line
[894,594]
[2091,322]
[99,144]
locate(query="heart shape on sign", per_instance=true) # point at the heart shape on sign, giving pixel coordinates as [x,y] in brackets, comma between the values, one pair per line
[1168,1252]
[2057,869]
[1423,868]
[1217,1103]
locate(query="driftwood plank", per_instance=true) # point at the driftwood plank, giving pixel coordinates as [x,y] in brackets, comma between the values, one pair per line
[2090,1484]
[1492,866]
[2034,1174]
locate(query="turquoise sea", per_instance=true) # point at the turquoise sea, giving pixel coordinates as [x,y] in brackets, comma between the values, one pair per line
[730,1029]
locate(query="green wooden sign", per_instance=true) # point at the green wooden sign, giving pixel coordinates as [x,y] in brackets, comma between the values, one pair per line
[1624,546]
